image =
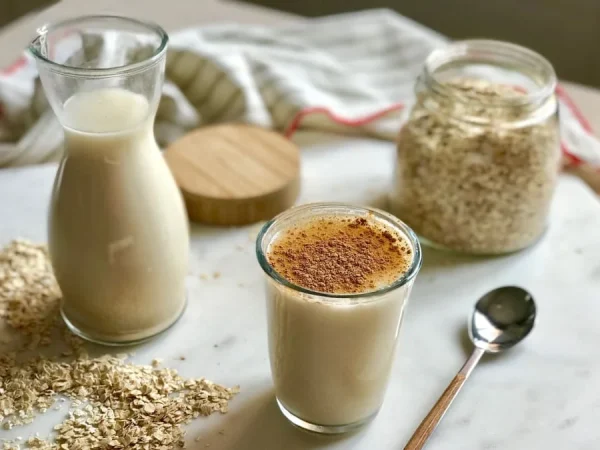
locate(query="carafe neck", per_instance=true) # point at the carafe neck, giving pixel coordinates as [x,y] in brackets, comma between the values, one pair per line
[100,53]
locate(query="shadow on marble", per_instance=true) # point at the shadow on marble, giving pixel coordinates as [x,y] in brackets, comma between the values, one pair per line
[378,200]
[465,341]
[436,258]
[259,425]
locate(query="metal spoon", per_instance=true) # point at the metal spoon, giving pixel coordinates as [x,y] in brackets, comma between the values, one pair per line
[501,318]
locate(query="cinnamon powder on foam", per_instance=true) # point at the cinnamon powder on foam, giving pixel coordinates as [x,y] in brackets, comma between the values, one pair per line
[340,255]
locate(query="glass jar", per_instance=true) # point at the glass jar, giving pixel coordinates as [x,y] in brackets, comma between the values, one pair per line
[331,354]
[478,158]
[118,231]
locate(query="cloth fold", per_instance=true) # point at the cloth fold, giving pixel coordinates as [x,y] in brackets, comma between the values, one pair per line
[349,73]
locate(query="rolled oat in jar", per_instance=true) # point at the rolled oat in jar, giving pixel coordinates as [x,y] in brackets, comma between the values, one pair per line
[479,156]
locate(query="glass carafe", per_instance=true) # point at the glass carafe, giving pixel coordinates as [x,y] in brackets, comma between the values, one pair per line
[118,232]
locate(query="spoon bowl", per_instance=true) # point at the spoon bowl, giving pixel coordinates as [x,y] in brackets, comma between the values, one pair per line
[502,318]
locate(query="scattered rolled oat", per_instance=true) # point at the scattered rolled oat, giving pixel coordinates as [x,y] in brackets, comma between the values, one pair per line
[29,294]
[120,405]
[115,404]
[477,187]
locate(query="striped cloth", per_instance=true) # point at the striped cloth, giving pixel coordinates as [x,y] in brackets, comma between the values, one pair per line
[351,73]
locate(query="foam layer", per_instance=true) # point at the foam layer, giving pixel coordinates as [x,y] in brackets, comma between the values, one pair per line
[340,255]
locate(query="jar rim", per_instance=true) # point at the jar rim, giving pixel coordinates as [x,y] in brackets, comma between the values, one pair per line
[328,208]
[99,72]
[494,53]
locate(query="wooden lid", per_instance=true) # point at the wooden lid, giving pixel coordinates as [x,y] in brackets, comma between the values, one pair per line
[235,174]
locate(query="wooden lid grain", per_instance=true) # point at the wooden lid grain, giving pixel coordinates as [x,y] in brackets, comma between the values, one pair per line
[235,174]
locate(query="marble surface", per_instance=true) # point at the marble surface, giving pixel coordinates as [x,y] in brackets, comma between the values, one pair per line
[542,395]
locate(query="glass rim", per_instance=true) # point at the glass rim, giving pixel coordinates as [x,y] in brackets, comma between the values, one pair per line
[484,51]
[388,218]
[137,66]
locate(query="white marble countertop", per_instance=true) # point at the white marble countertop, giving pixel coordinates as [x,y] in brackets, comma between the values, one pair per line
[542,395]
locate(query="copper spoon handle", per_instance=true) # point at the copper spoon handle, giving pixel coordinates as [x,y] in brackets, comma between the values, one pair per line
[431,421]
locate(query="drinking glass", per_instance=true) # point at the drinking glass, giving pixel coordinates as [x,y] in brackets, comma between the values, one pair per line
[331,354]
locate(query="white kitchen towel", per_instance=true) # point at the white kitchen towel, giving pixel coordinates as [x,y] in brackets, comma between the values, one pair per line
[350,73]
